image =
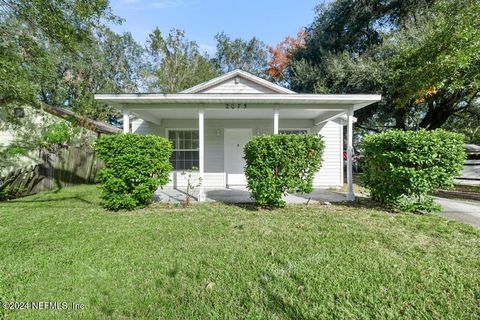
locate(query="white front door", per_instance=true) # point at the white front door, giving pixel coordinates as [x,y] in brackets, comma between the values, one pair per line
[234,141]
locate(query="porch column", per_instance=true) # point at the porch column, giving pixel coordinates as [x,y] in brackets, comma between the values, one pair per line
[350,193]
[275,120]
[126,121]
[201,152]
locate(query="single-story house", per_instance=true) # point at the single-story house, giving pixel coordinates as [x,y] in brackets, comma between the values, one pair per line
[210,123]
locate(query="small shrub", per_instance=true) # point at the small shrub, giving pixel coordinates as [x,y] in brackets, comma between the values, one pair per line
[281,164]
[135,166]
[402,167]
[4,192]
[57,133]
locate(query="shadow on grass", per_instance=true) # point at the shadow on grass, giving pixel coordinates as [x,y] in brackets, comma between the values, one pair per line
[280,306]
[52,200]
[43,197]
[364,203]
[251,206]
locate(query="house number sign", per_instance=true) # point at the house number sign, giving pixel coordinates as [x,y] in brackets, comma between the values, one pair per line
[236,106]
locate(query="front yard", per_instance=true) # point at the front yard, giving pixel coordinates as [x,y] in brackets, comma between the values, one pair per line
[226,261]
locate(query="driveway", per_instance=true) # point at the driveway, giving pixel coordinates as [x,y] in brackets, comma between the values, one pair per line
[467,211]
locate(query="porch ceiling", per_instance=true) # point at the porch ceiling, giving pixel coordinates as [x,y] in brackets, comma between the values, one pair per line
[192,113]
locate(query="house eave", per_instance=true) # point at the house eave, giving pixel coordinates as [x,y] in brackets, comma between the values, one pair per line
[188,99]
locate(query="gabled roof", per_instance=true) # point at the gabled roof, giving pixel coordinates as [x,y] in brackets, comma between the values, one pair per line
[233,74]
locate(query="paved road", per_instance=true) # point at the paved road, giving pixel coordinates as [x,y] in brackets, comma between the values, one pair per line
[467,211]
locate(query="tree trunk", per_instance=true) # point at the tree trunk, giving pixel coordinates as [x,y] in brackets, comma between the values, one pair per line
[440,110]
[400,116]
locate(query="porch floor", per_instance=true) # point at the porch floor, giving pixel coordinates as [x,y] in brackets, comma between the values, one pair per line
[242,195]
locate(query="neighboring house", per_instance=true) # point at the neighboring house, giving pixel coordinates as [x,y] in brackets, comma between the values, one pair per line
[34,121]
[471,170]
[210,123]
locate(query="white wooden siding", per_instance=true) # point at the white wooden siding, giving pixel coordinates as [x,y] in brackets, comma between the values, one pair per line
[330,175]
[238,85]
[331,172]
[140,126]
[5,138]
[210,180]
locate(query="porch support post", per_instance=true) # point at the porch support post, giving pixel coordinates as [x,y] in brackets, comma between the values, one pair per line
[275,120]
[201,152]
[350,193]
[126,121]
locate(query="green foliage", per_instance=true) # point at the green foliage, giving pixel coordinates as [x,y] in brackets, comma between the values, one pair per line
[247,55]
[13,151]
[4,193]
[135,166]
[57,133]
[422,56]
[446,37]
[467,124]
[177,63]
[402,167]
[59,53]
[31,30]
[278,164]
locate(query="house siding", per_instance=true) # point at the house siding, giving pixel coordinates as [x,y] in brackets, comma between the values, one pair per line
[331,172]
[5,138]
[240,85]
[330,175]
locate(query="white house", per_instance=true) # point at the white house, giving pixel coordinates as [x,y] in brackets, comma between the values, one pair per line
[210,123]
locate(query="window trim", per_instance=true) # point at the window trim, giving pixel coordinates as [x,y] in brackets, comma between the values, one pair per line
[167,134]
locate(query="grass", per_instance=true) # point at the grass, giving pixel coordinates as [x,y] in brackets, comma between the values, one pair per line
[226,261]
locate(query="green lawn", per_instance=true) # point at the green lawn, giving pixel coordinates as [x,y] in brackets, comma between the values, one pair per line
[224,261]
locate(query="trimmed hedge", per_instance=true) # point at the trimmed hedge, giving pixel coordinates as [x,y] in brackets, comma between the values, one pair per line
[402,167]
[135,166]
[281,164]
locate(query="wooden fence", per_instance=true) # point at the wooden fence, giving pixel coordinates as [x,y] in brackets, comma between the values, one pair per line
[64,168]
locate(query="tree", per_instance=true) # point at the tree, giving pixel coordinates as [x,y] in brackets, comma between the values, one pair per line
[29,29]
[436,67]
[281,53]
[177,63]
[359,47]
[57,54]
[467,123]
[110,62]
[422,57]
[247,55]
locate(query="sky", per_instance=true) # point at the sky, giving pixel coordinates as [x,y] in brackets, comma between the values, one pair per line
[270,21]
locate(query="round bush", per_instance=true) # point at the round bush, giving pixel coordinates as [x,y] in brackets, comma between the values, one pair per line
[135,166]
[402,167]
[281,164]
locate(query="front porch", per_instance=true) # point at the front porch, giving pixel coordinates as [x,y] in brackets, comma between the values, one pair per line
[242,195]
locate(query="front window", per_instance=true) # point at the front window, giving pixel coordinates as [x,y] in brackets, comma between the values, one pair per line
[293,131]
[185,149]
